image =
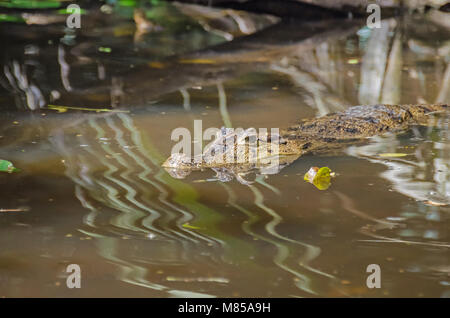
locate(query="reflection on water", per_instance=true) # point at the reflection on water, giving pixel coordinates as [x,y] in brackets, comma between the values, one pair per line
[114,170]
[423,173]
[97,195]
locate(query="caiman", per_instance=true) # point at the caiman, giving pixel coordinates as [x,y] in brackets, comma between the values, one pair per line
[316,135]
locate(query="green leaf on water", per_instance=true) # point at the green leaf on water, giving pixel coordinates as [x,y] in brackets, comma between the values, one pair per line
[7,166]
[104,49]
[320,177]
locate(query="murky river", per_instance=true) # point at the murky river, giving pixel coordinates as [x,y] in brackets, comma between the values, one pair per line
[91,190]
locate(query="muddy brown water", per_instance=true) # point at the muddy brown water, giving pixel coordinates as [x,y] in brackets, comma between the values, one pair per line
[91,190]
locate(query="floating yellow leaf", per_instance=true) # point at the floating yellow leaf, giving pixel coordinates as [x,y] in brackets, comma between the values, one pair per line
[320,177]
[188,226]
[60,109]
[63,109]
[392,155]
[197,61]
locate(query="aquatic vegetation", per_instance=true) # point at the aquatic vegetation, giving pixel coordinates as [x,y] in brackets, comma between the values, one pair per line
[7,166]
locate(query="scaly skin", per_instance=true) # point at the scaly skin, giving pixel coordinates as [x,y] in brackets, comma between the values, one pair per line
[325,133]
[353,125]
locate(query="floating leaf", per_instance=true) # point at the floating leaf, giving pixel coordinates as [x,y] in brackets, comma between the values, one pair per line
[393,155]
[320,177]
[197,61]
[104,49]
[7,166]
[63,109]
[188,226]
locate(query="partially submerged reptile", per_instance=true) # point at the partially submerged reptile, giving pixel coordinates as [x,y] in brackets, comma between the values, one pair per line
[315,135]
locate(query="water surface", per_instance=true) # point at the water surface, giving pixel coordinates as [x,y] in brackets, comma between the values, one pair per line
[92,192]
